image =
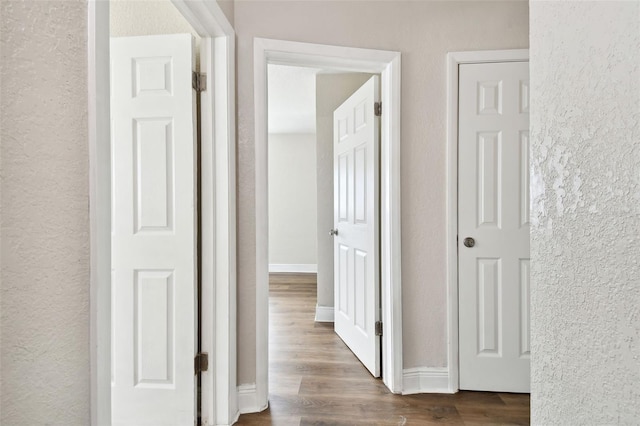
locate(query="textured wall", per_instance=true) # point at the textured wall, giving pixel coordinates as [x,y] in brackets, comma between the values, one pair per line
[135,17]
[150,17]
[331,91]
[424,31]
[44,228]
[292,199]
[585,234]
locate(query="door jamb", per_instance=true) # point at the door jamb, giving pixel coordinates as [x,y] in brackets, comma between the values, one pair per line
[386,63]
[218,208]
[454,60]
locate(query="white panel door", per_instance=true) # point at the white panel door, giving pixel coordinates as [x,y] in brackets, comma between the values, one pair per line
[493,210]
[356,220]
[153,231]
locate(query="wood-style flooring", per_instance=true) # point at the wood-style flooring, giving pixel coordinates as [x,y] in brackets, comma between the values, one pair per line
[315,380]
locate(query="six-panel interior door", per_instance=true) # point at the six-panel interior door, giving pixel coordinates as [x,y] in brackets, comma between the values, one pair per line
[356,219]
[493,210]
[153,231]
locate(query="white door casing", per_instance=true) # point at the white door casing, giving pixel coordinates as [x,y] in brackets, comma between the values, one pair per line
[153,230]
[388,65]
[493,209]
[356,219]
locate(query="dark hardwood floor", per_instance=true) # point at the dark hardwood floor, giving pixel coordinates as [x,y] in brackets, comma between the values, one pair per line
[315,380]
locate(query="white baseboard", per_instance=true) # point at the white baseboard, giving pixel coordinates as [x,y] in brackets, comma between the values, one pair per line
[302,268]
[248,399]
[233,421]
[425,380]
[324,313]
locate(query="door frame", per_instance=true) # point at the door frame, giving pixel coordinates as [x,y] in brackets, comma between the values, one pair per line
[387,64]
[454,60]
[218,194]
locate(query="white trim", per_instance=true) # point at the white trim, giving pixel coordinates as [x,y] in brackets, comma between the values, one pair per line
[248,399]
[206,18]
[218,208]
[300,268]
[386,63]
[426,380]
[324,313]
[454,59]
[99,129]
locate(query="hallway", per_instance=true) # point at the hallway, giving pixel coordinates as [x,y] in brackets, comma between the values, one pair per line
[315,380]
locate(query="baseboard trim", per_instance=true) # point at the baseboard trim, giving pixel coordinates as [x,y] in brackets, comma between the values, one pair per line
[248,399]
[324,313]
[301,268]
[425,380]
[233,421]
[236,418]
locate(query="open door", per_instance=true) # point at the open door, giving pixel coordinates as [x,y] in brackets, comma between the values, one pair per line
[153,231]
[356,223]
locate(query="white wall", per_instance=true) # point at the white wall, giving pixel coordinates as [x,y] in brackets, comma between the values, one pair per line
[44,231]
[227,7]
[424,31]
[149,17]
[585,234]
[292,199]
[136,17]
[331,91]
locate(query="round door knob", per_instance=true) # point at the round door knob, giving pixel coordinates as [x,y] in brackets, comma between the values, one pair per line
[469,242]
[333,232]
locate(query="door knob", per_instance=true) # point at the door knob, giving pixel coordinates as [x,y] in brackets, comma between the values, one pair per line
[333,232]
[469,242]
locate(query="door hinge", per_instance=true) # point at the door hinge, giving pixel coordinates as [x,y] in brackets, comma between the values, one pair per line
[377,109]
[201,362]
[198,82]
[378,328]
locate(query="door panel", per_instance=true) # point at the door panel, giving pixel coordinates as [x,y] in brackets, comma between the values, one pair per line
[525,303]
[153,174]
[356,217]
[493,209]
[153,328]
[154,231]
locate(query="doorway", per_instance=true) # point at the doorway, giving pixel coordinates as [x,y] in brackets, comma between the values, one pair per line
[387,64]
[487,323]
[218,208]
[315,172]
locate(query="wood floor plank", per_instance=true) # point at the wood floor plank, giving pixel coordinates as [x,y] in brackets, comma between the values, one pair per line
[315,380]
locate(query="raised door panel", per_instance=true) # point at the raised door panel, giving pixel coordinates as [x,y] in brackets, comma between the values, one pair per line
[342,276]
[489,179]
[524,195]
[153,174]
[154,341]
[360,185]
[489,307]
[152,76]
[524,308]
[360,271]
[342,178]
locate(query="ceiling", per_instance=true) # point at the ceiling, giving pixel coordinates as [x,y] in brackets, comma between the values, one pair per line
[292,99]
